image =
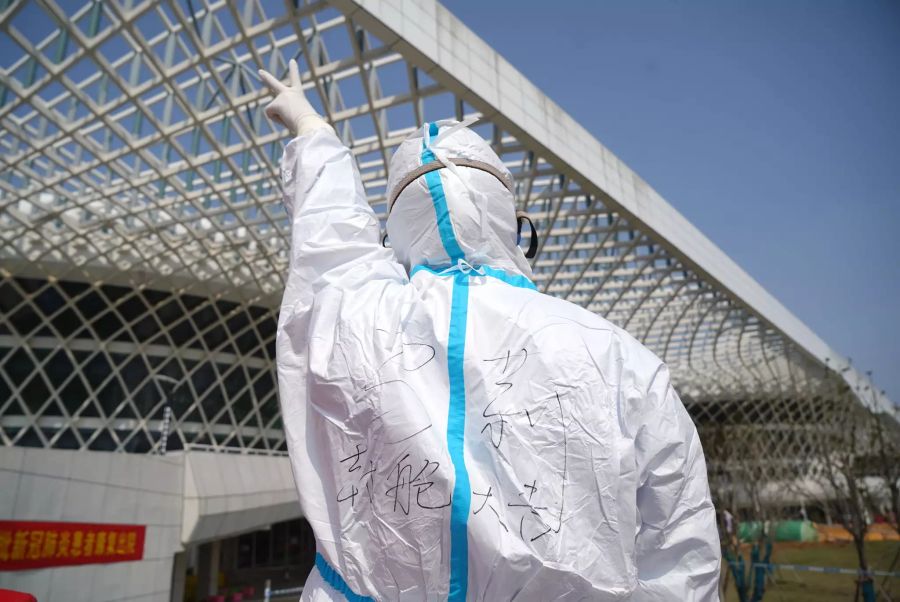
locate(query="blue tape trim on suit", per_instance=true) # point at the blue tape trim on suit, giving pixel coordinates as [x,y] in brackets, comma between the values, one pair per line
[456,431]
[439,200]
[516,280]
[333,579]
[513,279]
[456,412]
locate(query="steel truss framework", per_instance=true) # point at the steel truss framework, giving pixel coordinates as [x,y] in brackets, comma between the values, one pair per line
[144,245]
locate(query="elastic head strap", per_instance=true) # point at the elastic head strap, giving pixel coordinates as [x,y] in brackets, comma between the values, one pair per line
[521,216]
[435,165]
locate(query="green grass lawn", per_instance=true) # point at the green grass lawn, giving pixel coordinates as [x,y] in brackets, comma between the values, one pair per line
[793,586]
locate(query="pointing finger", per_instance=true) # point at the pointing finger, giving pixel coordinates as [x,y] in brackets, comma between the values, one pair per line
[272,82]
[295,74]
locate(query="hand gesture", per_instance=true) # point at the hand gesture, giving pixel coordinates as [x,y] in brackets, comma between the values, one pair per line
[290,107]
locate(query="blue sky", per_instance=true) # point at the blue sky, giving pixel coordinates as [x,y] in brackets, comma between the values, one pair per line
[774,126]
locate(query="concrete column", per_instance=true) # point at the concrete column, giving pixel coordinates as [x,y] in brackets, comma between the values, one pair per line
[208,569]
[179,576]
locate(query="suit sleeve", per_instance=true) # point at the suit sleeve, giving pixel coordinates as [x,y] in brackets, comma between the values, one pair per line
[677,546]
[335,236]
[338,270]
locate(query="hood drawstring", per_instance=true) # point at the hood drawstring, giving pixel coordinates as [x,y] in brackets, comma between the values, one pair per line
[463,267]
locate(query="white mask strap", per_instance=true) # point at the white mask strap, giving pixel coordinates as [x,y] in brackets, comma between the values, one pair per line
[468,121]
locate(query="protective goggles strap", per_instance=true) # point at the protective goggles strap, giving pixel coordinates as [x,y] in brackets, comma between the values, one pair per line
[434,166]
[521,216]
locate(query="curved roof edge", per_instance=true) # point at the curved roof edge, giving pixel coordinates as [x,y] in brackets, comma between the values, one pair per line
[439,43]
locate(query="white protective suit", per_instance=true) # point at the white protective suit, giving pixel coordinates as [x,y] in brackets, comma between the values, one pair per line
[454,433]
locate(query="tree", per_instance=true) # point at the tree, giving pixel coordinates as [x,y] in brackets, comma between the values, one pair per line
[738,479]
[845,468]
[885,433]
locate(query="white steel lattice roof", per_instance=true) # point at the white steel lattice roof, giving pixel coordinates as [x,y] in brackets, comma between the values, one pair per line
[134,151]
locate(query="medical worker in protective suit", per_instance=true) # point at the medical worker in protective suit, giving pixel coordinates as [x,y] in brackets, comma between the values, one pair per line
[454,433]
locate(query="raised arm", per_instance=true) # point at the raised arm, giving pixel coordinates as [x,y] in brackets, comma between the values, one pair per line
[677,548]
[338,270]
[335,236]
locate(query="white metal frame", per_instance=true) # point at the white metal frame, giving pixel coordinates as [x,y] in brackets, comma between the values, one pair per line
[134,152]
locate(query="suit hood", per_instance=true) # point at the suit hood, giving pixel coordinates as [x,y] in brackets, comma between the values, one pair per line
[450,199]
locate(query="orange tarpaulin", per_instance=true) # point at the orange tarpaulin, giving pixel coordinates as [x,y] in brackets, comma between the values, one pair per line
[876,532]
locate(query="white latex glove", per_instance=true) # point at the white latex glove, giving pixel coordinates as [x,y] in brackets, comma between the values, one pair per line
[290,107]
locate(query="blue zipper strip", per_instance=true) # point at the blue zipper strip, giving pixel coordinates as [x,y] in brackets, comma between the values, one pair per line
[456,429]
[456,413]
[333,579]
[516,280]
[439,200]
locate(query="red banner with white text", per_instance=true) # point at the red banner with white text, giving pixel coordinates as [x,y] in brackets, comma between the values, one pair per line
[32,545]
